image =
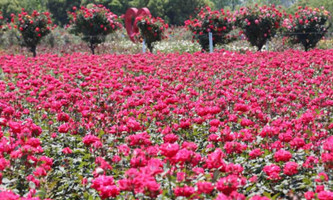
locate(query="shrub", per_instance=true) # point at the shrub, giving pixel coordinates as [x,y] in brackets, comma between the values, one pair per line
[258,24]
[177,46]
[151,29]
[325,44]
[219,23]
[307,26]
[32,28]
[93,24]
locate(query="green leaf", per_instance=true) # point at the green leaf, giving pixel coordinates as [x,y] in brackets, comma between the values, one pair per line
[317,111]
[275,196]
[267,152]
[266,194]
[41,193]
[215,175]
[248,189]
[101,133]
[306,181]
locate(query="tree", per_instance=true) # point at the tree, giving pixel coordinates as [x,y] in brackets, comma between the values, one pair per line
[219,4]
[307,26]
[31,5]
[174,12]
[7,7]
[93,24]
[156,7]
[118,7]
[151,29]
[60,8]
[178,11]
[32,28]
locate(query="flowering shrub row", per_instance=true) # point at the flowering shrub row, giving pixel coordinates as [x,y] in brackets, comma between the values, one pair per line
[259,24]
[92,23]
[190,126]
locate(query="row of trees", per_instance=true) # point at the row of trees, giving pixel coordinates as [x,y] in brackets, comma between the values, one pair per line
[259,24]
[92,23]
[174,12]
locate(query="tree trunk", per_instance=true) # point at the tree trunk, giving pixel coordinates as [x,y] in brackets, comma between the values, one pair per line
[92,48]
[259,48]
[150,47]
[33,50]
[260,45]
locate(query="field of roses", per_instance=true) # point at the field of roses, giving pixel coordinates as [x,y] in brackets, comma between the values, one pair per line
[167,126]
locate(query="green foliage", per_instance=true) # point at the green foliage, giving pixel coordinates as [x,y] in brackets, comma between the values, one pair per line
[60,183]
[93,24]
[7,7]
[175,12]
[258,24]
[32,28]
[179,11]
[118,7]
[307,26]
[262,2]
[325,44]
[60,8]
[156,7]
[218,4]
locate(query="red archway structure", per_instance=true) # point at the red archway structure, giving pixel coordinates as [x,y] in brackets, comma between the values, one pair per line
[130,20]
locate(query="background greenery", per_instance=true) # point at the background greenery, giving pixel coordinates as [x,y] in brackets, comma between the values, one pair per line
[175,12]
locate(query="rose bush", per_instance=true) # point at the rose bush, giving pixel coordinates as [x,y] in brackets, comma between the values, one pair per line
[258,24]
[219,23]
[191,126]
[93,24]
[151,30]
[32,27]
[307,26]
